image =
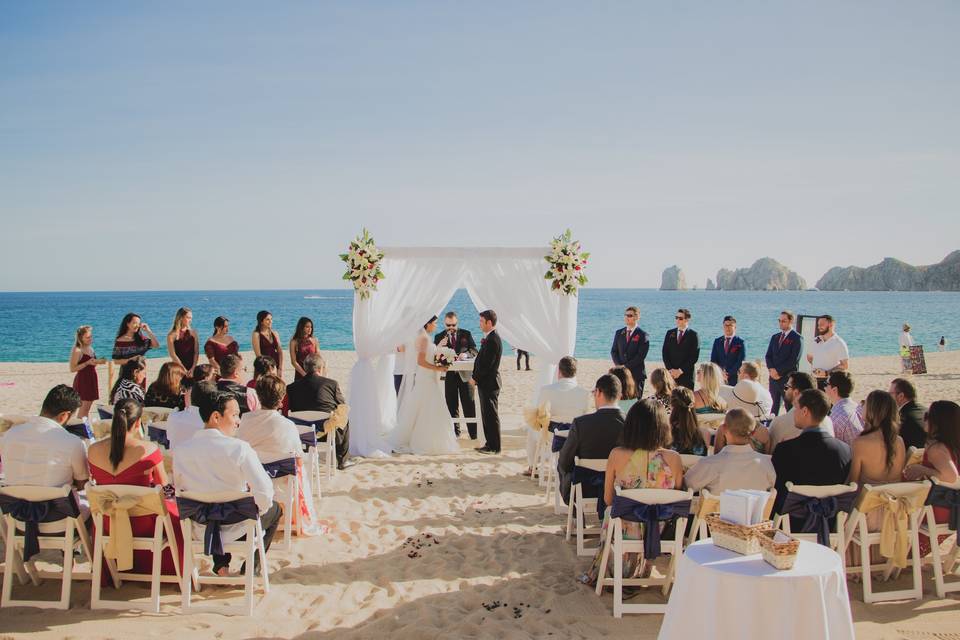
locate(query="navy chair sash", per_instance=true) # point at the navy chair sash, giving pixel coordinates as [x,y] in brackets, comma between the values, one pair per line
[214,515]
[317,425]
[104,415]
[80,429]
[558,441]
[941,496]
[650,516]
[158,435]
[281,468]
[817,512]
[591,484]
[309,440]
[32,514]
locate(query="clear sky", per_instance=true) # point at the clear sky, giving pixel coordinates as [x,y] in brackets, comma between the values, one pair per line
[183,145]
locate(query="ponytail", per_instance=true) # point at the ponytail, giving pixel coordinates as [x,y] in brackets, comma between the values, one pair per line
[125,414]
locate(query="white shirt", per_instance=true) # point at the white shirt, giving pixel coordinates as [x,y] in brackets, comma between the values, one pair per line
[827,354]
[183,425]
[748,395]
[42,453]
[737,466]
[906,340]
[784,427]
[567,399]
[272,436]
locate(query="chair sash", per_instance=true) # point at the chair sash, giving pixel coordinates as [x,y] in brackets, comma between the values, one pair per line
[591,484]
[337,419]
[817,512]
[650,516]
[120,509]
[281,468]
[894,529]
[558,441]
[158,435]
[321,427]
[538,418]
[32,514]
[80,429]
[214,515]
[941,496]
[104,415]
[309,440]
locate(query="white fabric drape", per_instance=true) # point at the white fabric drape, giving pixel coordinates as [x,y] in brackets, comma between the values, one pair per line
[418,284]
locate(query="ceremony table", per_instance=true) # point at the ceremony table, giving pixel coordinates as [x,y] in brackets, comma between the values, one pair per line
[722,594]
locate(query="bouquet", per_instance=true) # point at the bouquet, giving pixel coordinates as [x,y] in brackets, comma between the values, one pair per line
[363,264]
[567,264]
[444,357]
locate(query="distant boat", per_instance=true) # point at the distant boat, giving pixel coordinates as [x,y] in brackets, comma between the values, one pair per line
[324,297]
[812,289]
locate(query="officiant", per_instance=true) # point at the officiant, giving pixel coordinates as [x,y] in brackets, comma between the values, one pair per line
[457,388]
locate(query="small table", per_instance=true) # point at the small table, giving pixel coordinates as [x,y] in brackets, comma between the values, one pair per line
[722,594]
[465,366]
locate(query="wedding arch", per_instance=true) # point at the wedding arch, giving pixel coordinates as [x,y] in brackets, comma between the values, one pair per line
[417,282]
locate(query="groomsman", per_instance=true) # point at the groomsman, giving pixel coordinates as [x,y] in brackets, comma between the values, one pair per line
[456,385]
[783,358]
[630,347]
[729,351]
[681,350]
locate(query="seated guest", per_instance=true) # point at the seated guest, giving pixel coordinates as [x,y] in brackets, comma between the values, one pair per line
[186,423]
[221,344]
[846,423]
[231,381]
[316,392]
[129,384]
[748,394]
[205,373]
[814,457]
[738,466]
[40,452]
[911,413]
[641,461]
[237,468]
[878,454]
[264,365]
[595,434]
[126,459]
[567,401]
[707,396]
[663,385]
[166,390]
[628,388]
[684,430]
[783,428]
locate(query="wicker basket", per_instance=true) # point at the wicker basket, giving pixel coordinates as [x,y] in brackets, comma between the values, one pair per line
[740,538]
[780,555]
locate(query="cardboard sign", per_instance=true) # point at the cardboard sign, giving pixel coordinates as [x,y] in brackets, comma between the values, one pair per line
[917,362]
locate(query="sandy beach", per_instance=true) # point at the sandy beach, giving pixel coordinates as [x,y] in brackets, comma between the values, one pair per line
[423,547]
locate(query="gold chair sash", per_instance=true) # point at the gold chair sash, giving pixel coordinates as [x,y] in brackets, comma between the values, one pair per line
[895,527]
[337,419]
[538,418]
[120,508]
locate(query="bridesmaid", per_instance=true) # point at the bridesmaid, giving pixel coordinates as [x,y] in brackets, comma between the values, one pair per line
[221,343]
[83,362]
[183,343]
[302,344]
[134,338]
[266,341]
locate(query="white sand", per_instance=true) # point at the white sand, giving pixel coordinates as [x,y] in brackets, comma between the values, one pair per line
[497,542]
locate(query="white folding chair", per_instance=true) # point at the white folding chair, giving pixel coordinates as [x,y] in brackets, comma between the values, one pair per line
[329,447]
[290,504]
[837,538]
[578,506]
[857,533]
[163,538]
[248,547]
[706,504]
[65,535]
[943,565]
[311,459]
[552,476]
[617,545]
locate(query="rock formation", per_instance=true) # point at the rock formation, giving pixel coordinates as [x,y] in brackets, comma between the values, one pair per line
[710,285]
[895,275]
[766,274]
[673,279]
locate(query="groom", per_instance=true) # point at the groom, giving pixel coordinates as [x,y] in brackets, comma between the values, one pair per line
[486,377]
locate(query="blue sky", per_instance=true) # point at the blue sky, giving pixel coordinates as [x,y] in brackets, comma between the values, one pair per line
[241,145]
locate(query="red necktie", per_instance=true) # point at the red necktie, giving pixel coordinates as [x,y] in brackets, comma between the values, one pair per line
[782,337]
[726,346]
[679,336]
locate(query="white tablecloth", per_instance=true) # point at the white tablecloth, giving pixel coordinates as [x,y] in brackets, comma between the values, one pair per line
[721,594]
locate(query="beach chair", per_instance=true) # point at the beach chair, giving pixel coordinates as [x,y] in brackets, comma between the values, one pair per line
[329,447]
[817,505]
[947,495]
[117,502]
[588,478]
[38,518]
[287,468]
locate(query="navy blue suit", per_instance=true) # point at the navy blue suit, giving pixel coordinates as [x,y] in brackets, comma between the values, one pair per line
[632,354]
[784,356]
[729,360]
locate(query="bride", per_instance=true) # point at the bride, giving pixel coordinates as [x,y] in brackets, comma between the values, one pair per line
[423,420]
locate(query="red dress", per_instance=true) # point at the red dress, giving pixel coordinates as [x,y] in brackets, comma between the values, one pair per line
[217,352]
[86,382]
[940,514]
[304,348]
[143,474]
[270,348]
[184,347]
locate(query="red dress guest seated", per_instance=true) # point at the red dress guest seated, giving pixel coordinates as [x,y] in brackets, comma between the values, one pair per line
[221,344]
[126,459]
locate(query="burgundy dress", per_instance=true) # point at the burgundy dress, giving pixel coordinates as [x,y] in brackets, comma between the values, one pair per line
[86,382]
[304,348]
[217,352]
[183,346]
[142,474]
[270,348]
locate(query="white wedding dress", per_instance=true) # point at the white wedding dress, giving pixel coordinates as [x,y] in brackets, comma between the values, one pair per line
[423,421]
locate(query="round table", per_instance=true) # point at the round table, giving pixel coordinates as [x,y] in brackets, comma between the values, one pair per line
[721,594]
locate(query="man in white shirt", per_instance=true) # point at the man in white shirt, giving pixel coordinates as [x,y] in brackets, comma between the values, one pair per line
[567,401]
[737,466]
[828,352]
[215,461]
[784,426]
[41,452]
[186,423]
[748,394]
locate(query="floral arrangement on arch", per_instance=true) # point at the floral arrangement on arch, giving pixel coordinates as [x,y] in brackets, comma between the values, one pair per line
[363,264]
[567,264]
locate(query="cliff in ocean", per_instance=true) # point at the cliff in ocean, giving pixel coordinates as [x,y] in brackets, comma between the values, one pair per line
[895,275]
[766,274]
[673,279]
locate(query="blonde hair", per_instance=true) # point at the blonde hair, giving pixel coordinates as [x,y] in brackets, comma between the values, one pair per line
[740,423]
[710,377]
[661,382]
[751,369]
[178,319]
[82,330]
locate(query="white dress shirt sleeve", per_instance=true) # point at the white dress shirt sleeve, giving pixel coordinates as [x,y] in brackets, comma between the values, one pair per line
[257,479]
[78,461]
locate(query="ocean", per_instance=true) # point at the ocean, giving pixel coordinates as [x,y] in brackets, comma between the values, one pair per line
[39,327]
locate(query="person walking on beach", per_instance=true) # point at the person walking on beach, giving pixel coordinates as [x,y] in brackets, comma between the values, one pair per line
[83,362]
[526,356]
[942,345]
[828,352]
[630,347]
[729,351]
[906,341]
[783,358]
[681,350]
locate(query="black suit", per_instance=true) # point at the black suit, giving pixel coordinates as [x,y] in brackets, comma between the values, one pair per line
[682,355]
[814,457]
[486,373]
[911,425]
[457,390]
[316,393]
[632,354]
[783,354]
[593,435]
